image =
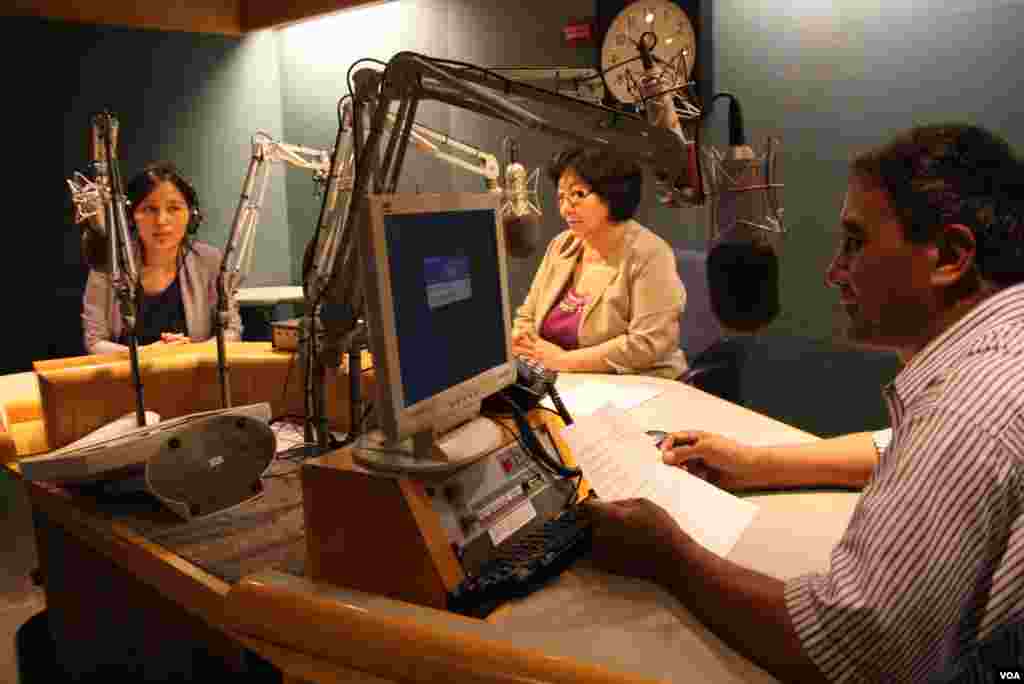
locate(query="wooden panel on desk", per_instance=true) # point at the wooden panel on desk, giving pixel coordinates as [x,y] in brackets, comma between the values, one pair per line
[80,394]
[375,532]
[83,396]
[396,640]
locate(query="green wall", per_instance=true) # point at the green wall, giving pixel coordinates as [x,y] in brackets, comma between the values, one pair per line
[194,99]
[826,78]
[832,78]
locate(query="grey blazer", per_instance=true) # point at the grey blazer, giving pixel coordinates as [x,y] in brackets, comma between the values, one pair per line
[101,312]
[634,316]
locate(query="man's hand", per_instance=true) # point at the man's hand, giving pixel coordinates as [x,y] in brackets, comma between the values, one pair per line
[635,538]
[712,457]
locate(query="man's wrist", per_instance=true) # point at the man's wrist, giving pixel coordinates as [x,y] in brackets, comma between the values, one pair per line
[676,567]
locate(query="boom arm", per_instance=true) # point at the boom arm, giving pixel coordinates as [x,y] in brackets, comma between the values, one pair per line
[238,252]
[409,78]
[429,141]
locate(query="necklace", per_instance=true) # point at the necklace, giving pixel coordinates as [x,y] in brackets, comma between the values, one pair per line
[572,302]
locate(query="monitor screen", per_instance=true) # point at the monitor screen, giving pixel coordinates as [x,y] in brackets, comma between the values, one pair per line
[437,304]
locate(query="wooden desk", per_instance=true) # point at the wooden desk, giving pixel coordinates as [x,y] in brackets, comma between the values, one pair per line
[80,394]
[104,576]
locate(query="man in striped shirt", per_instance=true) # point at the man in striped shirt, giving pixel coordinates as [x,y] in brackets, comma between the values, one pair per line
[931,264]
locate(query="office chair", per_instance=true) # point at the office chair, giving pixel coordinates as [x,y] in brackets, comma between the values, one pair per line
[35,651]
[718,370]
[698,328]
[988,661]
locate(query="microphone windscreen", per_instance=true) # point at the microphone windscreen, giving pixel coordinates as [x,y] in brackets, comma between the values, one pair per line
[522,234]
[743,284]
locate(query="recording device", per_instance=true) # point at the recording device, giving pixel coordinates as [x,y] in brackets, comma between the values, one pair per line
[520,215]
[194,465]
[742,262]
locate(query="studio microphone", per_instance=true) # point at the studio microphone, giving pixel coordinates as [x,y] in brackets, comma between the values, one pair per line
[519,213]
[743,259]
[95,240]
[659,109]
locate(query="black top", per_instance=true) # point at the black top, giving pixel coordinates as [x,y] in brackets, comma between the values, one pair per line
[161,312]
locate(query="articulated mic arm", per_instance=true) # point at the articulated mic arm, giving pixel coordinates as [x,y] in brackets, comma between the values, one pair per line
[411,78]
[333,289]
[240,248]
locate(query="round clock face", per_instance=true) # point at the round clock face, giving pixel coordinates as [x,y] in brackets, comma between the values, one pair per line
[659,22]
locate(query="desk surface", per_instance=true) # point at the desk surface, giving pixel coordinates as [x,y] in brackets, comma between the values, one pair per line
[266,296]
[585,614]
[640,627]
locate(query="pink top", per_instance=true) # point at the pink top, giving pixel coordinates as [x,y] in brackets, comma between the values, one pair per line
[562,324]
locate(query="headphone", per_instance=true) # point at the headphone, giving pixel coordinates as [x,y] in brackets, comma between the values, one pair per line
[143,183]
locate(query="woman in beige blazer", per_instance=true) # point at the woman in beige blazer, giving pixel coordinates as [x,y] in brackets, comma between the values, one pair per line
[607,296]
[177,274]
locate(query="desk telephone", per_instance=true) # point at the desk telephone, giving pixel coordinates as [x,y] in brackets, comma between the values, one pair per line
[534,381]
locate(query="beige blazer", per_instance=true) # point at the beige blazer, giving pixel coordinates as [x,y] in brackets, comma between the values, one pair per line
[101,312]
[633,316]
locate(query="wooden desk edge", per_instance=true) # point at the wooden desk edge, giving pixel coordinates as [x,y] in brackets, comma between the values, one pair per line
[196,591]
[395,640]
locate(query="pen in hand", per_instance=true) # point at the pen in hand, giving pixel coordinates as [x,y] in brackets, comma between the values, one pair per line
[696,466]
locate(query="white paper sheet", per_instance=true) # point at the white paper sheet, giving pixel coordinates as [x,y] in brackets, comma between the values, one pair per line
[620,461]
[591,394]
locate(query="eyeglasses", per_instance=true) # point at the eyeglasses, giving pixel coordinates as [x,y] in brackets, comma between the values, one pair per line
[574,197]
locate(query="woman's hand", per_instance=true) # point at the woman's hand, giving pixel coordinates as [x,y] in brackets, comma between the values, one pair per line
[174,338]
[522,343]
[712,457]
[532,346]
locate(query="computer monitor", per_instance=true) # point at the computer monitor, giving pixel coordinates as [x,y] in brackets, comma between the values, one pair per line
[436,295]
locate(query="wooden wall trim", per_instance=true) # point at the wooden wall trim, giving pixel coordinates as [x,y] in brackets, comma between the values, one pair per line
[257,15]
[207,16]
[227,17]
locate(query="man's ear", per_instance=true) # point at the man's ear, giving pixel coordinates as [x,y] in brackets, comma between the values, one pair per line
[957,251]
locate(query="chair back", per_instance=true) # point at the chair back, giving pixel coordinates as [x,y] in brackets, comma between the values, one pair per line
[1001,652]
[699,328]
[718,370]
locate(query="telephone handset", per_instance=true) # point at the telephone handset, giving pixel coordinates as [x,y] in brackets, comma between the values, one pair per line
[534,381]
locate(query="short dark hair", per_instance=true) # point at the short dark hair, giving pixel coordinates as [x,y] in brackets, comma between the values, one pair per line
[617,180]
[155,173]
[940,174]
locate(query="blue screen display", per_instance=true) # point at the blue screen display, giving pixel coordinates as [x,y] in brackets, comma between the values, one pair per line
[446,289]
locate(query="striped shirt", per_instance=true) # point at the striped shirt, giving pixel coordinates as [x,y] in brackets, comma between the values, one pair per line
[933,558]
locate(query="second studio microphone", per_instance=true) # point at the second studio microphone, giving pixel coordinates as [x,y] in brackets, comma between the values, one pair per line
[95,238]
[520,215]
[743,260]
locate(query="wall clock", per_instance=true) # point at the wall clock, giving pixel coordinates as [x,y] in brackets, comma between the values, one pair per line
[670,28]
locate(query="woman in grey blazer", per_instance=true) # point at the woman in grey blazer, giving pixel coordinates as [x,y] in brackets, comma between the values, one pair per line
[607,297]
[177,273]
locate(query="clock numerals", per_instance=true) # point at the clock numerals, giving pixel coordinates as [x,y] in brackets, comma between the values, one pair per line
[674,46]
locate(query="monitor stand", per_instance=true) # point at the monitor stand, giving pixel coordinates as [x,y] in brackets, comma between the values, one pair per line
[426,453]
